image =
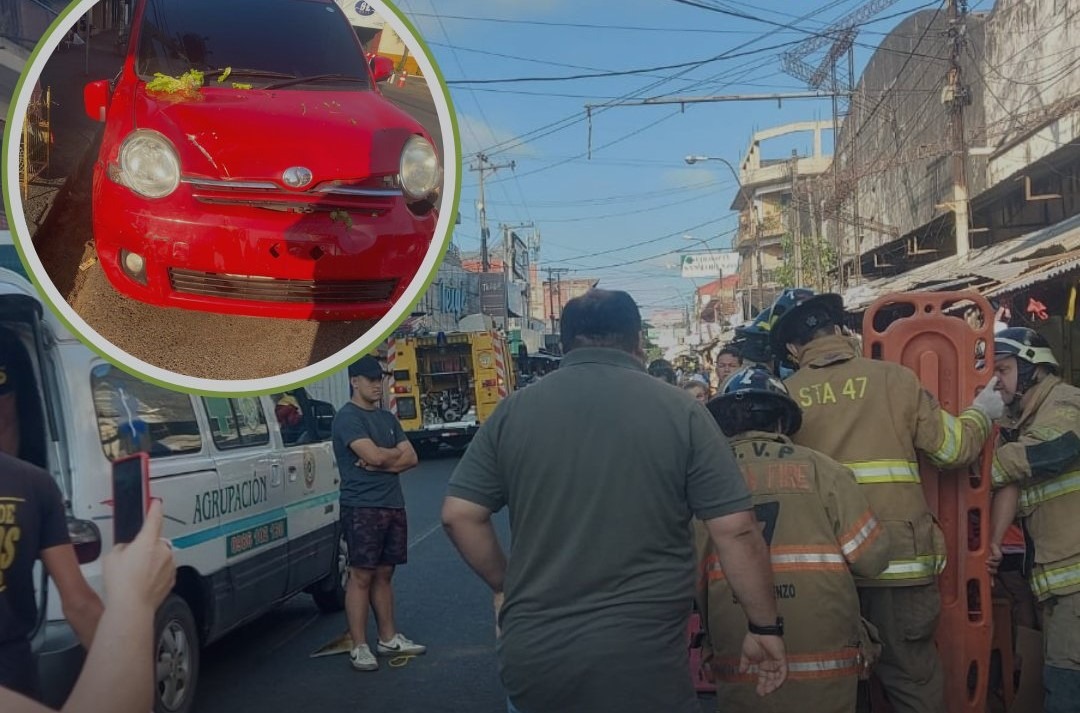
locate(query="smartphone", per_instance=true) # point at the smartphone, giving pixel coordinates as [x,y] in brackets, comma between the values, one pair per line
[131,496]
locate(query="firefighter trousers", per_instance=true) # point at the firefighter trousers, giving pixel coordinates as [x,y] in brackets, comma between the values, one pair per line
[910,669]
[1061,642]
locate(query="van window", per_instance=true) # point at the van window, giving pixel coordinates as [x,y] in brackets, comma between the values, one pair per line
[237,423]
[134,416]
[301,419]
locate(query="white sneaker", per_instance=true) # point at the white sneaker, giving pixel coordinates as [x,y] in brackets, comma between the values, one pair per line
[362,659]
[399,645]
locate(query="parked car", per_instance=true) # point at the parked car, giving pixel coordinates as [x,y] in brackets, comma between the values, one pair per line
[250,164]
[249,486]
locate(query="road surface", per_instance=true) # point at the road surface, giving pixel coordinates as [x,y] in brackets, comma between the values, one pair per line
[268,665]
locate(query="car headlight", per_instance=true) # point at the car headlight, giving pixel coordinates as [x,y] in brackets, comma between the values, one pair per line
[149,164]
[420,173]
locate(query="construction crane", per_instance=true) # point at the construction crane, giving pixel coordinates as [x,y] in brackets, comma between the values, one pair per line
[839,37]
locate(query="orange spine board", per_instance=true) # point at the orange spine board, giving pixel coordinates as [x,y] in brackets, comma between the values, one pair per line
[942,336]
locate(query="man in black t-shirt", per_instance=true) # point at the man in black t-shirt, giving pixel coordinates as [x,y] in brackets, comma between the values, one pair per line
[372,451]
[33,526]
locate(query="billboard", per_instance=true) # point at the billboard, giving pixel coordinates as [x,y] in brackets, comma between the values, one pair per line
[710,264]
[493,294]
[521,257]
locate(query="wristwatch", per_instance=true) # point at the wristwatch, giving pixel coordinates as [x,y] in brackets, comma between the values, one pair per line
[776,629]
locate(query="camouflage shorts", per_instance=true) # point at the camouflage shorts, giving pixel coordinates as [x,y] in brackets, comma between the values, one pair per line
[375,536]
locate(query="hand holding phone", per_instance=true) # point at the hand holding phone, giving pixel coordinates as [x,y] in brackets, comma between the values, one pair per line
[131,496]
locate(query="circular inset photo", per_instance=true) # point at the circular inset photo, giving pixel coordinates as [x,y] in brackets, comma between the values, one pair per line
[231,196]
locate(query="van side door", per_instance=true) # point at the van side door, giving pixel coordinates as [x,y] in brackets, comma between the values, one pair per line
[250,503]
[311,488]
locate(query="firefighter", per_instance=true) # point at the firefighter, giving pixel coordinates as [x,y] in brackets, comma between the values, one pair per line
[874,416]
[753,341]
[817,523]
[1036,472]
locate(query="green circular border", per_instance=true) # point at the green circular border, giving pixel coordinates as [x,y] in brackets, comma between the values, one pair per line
[456,190]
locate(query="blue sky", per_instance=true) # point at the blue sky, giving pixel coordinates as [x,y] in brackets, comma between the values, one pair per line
[636,198]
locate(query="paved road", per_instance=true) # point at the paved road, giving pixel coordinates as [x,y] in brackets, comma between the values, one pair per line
[197,344]
[267,666]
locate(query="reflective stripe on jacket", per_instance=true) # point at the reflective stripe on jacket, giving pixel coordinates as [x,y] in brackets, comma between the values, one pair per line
[1042,454]
[804,667]
[820,529]
[874,417]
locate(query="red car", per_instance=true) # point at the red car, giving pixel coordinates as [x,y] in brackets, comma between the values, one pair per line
[250,165]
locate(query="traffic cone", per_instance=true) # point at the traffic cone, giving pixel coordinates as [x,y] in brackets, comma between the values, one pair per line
[401,79]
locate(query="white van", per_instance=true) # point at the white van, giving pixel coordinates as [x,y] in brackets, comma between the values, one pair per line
[249,487]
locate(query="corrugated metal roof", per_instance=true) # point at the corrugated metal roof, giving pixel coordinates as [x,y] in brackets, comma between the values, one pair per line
[1012,263]
[1041,274]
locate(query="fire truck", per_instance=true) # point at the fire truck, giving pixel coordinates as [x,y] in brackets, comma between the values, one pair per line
[443,386]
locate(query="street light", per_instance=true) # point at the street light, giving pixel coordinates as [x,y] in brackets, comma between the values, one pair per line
[691,160]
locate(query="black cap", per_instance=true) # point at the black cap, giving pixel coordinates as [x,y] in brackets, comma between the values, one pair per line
[366,366]
[808,315]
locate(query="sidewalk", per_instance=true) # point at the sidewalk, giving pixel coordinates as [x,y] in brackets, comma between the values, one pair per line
[73,132]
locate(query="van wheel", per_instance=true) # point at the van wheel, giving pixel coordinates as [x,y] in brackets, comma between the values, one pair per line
[177,657]
[329,594]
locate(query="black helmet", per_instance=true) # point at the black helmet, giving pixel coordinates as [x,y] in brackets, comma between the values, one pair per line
[1025,344]
[800,311]
[756,387]
[662,369]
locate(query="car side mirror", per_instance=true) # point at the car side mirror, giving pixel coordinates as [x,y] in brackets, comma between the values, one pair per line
[96,99]
[323,415]
[381,68]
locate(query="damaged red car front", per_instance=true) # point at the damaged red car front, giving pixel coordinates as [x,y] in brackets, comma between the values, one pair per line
[250,165]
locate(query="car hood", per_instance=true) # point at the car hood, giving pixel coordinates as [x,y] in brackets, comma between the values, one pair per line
[256,134]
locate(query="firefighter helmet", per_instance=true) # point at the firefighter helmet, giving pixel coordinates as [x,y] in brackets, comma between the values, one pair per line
[756,387]
[1025,344]
[803,310]
[662,369]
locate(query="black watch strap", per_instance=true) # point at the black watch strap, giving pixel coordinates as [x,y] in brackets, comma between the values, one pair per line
[776,629]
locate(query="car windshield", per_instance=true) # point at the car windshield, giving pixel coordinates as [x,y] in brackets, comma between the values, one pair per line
[252,42]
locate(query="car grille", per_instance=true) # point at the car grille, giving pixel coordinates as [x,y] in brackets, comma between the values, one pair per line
[263,289]
[374,200]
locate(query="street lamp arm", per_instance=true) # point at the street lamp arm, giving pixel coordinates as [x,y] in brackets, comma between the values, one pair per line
[691,160]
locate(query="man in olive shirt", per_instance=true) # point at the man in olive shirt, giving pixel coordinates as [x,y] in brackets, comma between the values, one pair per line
[602,468]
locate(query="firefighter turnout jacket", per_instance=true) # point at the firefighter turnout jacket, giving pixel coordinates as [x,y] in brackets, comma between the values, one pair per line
[1042,454]
[818,524]
[872,416]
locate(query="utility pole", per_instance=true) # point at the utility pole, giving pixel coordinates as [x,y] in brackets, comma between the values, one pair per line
[554,273]
[757,254]
[484,166]
[795,218]
[836,185]
[856,224]
[956,97]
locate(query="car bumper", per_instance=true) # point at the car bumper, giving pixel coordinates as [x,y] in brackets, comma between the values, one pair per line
[59,658]
[445,433]
[257,261]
